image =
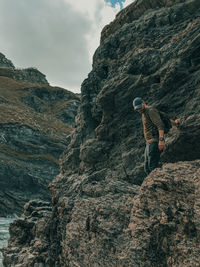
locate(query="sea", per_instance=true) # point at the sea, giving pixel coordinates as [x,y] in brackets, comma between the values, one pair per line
[4,234]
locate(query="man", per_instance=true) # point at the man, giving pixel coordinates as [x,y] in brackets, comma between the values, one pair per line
[153,128]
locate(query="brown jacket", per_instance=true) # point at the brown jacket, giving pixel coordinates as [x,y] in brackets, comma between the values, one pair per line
[151,124]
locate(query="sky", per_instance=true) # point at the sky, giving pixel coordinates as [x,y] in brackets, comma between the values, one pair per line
[58,37]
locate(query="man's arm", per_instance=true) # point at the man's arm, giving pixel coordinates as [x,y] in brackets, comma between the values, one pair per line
[155,118]
[161,143]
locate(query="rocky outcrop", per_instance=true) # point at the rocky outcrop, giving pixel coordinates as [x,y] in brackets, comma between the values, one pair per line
[32,75]
[165,218]
[23,232]
[134,11]
[5,63]
[103,211]
[32,138]
[104,222]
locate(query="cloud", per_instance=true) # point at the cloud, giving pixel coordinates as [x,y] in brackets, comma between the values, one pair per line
[128,2]
[58,37]
[100,13]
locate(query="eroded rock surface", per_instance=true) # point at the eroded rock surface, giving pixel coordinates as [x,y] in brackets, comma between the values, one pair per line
[98,221]
[165,218]
[30,232]
[103,211]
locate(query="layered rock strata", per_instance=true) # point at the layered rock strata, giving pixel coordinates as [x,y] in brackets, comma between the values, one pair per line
[103,211]
[35,121]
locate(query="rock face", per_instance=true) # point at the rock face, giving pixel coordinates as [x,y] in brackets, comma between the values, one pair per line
[32,138]
[106,222]
[7,69]
[103,211]
[165,218]
[27,229]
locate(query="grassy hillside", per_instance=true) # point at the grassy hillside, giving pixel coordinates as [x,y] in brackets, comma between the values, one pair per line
[35,120]
[13,110]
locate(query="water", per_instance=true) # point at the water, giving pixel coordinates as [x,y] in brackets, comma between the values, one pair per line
[4,234]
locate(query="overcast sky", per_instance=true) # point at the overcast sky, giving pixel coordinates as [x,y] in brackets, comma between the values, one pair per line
[58,37]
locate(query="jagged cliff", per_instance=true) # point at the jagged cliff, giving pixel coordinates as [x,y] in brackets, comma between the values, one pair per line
[33,75]
[35,120]
[102,211]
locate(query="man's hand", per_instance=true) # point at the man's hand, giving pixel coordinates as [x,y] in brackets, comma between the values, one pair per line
[161,145]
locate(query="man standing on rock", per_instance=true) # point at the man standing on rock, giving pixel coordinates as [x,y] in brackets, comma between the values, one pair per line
[153,128]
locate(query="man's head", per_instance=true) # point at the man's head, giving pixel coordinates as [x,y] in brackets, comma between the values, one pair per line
[139,104]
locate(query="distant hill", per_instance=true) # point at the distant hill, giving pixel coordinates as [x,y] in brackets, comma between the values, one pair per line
[7,69]
[35,120]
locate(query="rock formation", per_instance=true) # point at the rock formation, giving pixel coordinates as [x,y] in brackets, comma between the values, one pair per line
[7,69]
[5,63]
[35,121]
[106,222]
[103,211]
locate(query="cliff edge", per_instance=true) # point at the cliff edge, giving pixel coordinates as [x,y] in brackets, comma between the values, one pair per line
[35,120]
[103,211]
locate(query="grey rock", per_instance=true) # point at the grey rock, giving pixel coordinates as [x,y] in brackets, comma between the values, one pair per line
[32,138]
[5,63]
[104,211]
[32,75]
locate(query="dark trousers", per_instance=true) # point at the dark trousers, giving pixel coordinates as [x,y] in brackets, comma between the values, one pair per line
[151,157]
